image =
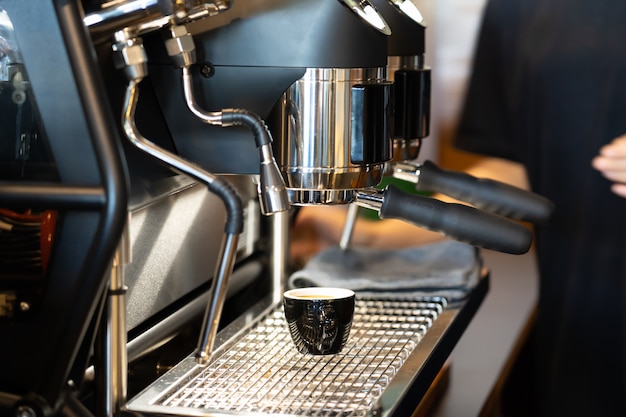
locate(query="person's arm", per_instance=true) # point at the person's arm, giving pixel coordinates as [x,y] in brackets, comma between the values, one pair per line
[317,227]
[611,162]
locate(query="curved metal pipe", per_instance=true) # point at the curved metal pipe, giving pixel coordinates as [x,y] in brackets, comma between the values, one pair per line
[272,191]
[213,118]
[171,159]
[234,223]
[215,184]
[214,309]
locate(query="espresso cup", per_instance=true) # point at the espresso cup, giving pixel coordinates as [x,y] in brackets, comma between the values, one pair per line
[319,318]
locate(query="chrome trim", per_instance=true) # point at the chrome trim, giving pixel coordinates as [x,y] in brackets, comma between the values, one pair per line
[143,16]
[411,62]
[315,197]
[409,9]
[116,358]
[368,13]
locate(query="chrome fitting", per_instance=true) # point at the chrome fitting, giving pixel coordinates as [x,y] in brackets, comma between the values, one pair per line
[404,171]
[272,192]
[180,46]
[130,55]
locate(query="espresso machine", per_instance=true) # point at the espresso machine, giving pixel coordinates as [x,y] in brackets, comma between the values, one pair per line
[152,157]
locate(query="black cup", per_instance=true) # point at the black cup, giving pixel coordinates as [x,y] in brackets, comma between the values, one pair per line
[319,318]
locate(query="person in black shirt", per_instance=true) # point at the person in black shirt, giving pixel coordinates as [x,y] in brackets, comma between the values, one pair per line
[612,163]
[548,90]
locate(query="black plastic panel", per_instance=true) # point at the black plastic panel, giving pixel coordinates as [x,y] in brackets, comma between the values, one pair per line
[370,140]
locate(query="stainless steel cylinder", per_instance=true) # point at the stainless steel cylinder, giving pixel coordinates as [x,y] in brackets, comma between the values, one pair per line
[315,149]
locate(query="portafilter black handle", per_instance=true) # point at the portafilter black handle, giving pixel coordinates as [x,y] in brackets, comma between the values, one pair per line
[486,194]
[460,222]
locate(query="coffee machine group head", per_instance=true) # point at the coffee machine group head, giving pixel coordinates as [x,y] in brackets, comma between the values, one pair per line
[334,133]
[340,126]
[315,71]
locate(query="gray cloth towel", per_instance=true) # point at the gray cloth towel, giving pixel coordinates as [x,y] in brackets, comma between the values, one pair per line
[446,269]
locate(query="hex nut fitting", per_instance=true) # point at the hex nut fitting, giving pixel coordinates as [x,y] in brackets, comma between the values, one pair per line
[180,46]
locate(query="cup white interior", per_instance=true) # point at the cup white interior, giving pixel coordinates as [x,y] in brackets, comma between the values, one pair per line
[332,292]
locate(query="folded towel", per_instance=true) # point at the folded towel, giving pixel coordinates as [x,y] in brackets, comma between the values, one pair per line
[447,269]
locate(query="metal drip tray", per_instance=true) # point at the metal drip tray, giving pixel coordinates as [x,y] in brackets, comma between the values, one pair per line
[257,369]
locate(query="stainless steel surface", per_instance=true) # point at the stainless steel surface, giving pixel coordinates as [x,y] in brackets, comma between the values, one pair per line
[180,46]
[141,16]
[229,249]
[174,225]
[139,141]
[273,196]
[114,16]
[314,150]
[167,328]
[404,171]
[305,197]
[257,369]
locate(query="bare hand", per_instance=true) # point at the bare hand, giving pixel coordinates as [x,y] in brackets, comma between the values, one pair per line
[611,162]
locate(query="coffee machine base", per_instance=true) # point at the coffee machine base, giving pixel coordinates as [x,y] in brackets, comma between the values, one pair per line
[396,348]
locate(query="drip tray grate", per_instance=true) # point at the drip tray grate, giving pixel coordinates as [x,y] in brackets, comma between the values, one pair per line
[262,372]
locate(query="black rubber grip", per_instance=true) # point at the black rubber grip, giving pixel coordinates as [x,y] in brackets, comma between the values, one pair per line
[463,223]
[489,195]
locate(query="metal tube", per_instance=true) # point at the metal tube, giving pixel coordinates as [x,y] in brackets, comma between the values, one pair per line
[117,14]
[229,248]
[221,188]
[214,309]
[348,228]
[279,253]
[150,148]
[116,360]
[214,118]
[143,16]
[140,15]
[371,199]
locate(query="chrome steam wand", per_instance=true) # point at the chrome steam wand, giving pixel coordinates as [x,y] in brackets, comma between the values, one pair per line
[129,55]
[272,190]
